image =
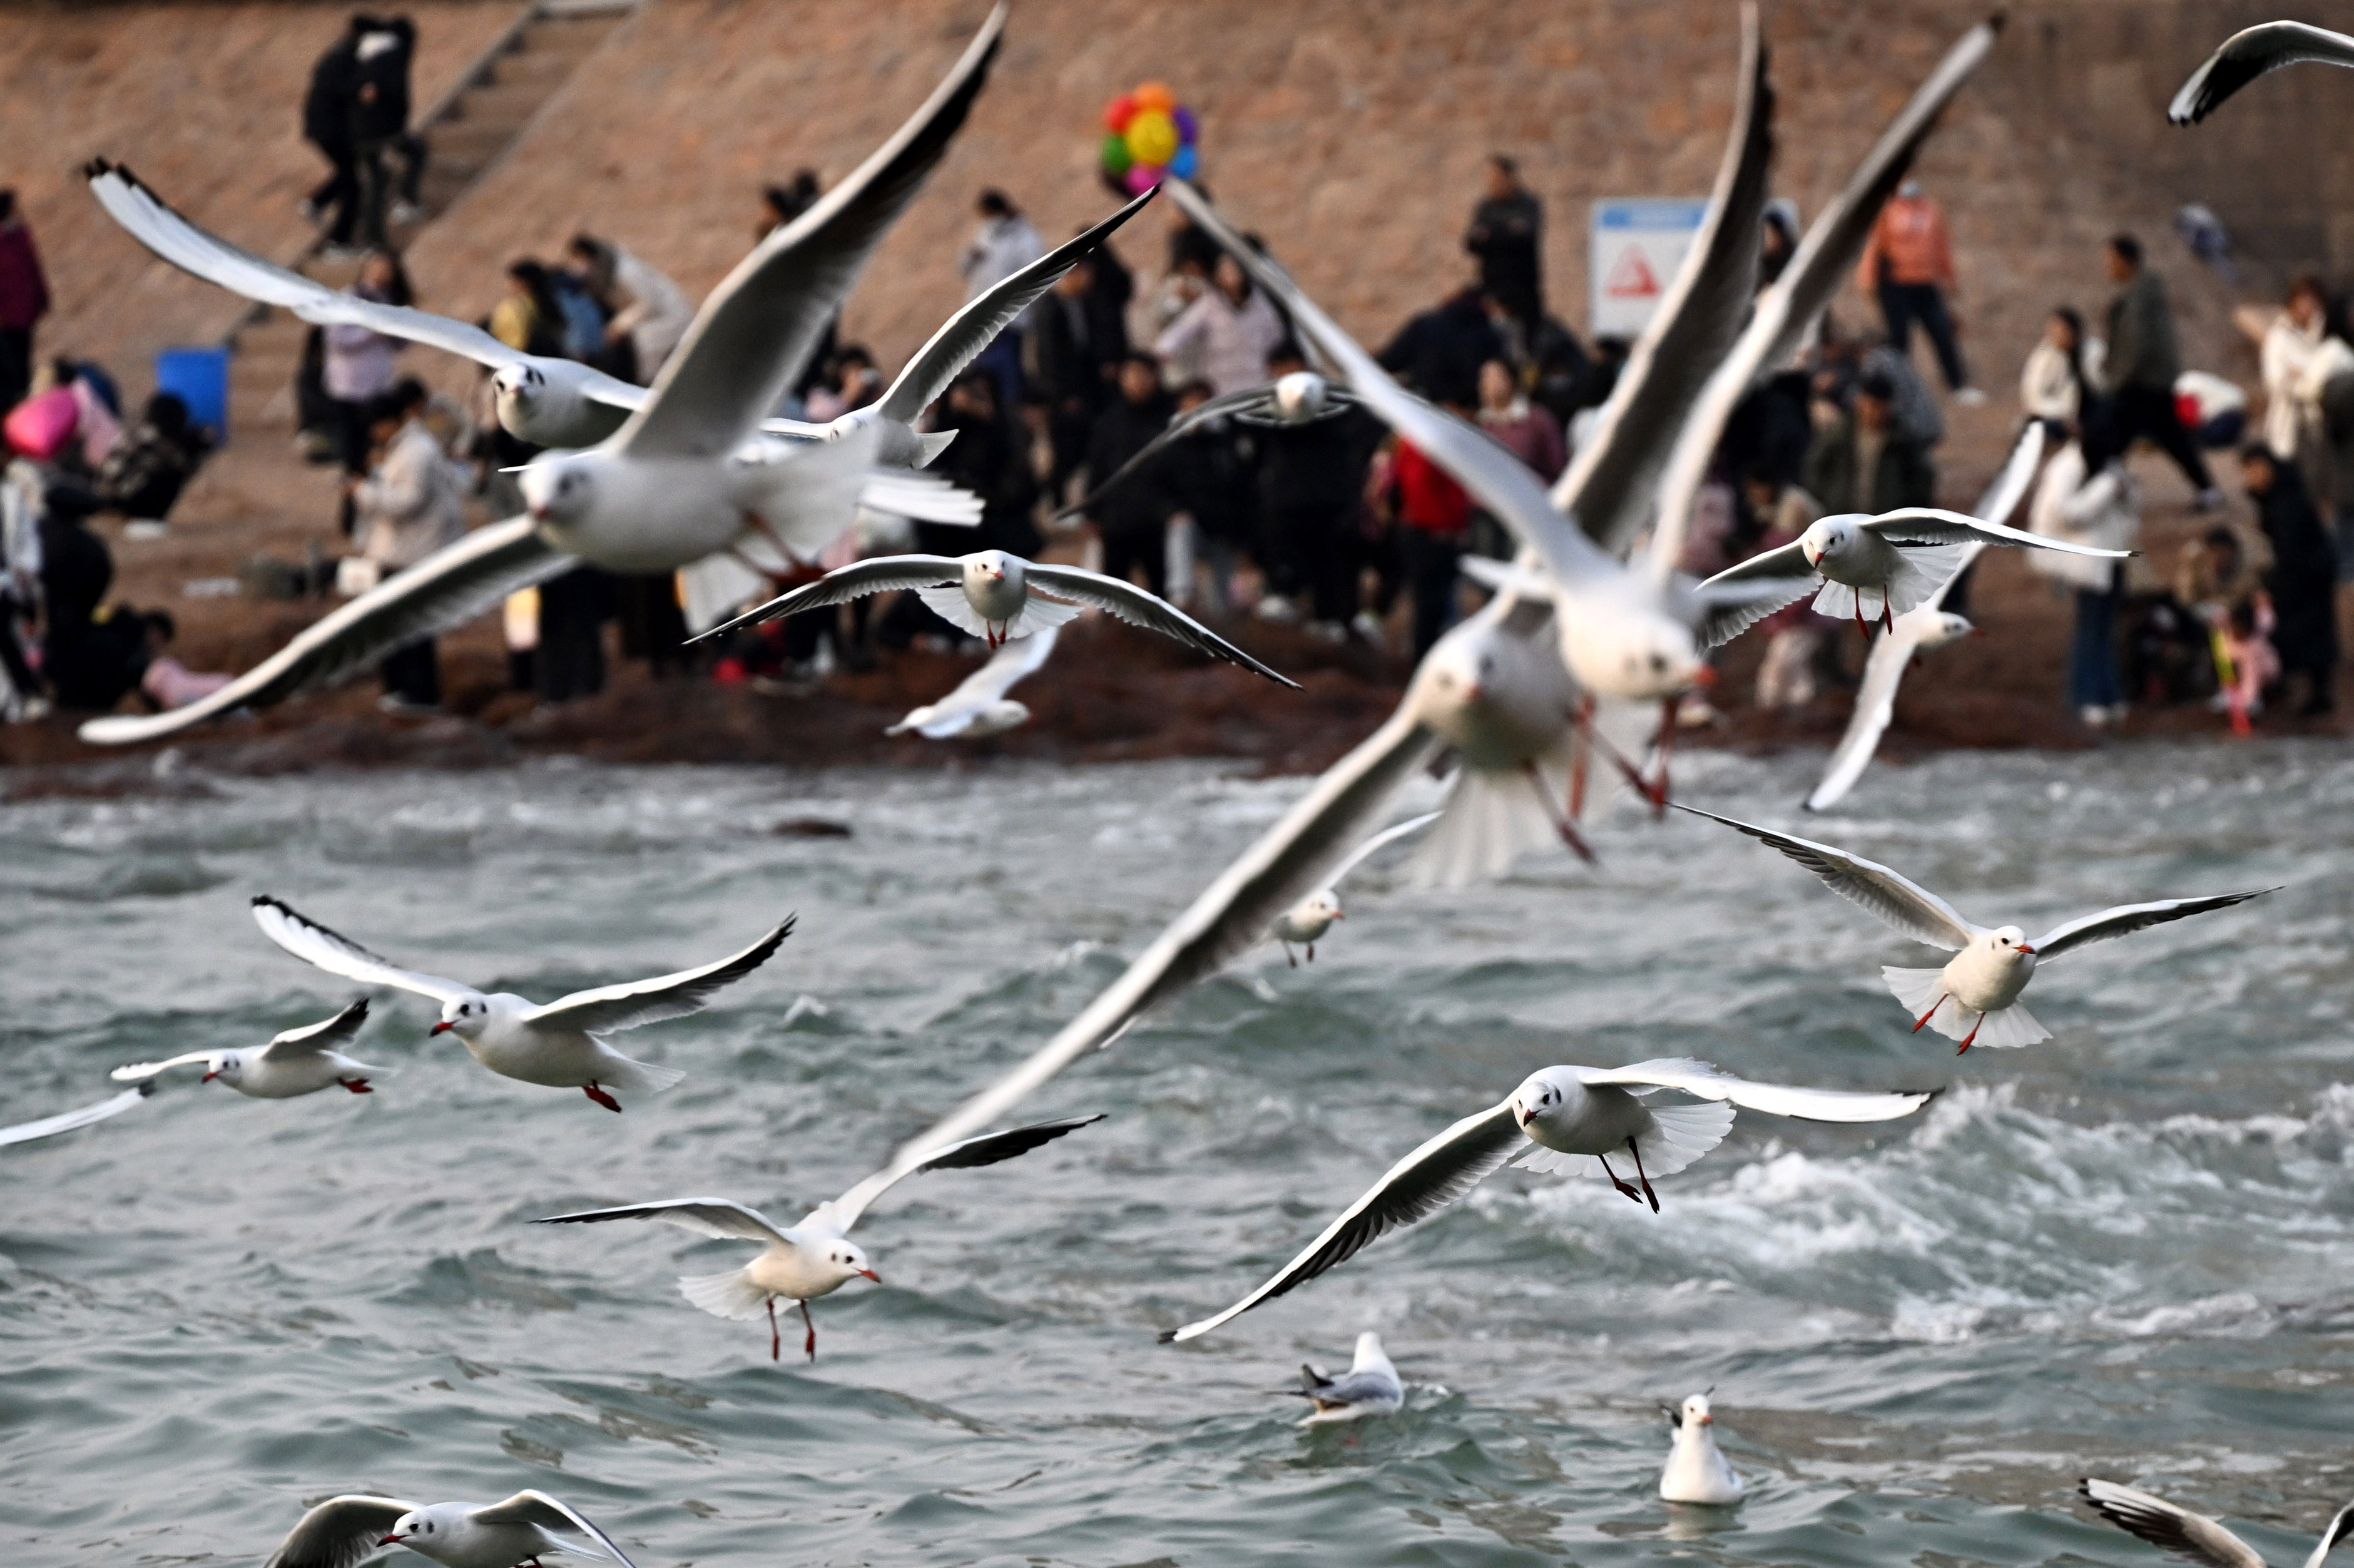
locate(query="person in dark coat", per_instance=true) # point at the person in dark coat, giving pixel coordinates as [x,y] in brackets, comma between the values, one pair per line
[1866,462]
[24,301]
[991,459]
[1132,519]
[2303,581]
[1311,482]
[144,475]
[1438,352]
[327,125]
[2144,358]
[1079,343]
[88,659]
[1211,476]
[383,58]
[1507,234]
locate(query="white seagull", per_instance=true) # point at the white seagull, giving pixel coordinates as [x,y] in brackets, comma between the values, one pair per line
[999,598]
[675,484]
[298,1062]
[2249,53]
[2194,1535]
[1306,922]
[345,1532]
[1926,627]
[68,1121]
[1697,1471]
[1301,397]
[978,706]
[556,1043]
[815,1257]
[1567,1120]
[1370,1387]
[1975,998]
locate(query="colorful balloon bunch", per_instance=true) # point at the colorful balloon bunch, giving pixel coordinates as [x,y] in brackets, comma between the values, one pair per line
[1148,134]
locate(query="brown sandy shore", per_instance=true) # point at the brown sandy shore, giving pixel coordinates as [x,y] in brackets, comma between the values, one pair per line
[1110,694]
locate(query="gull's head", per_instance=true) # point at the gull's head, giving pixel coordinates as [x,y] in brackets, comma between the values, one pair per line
[1369,1347]
[1541,1095]
[420,1530]
[1656,659]
[463,1016]
[517,387]
[1948,627]
[1298,397]
[845,1260]
[989,567]
[1462,670]
[228,1066]
[2009,942]
[1324,906]
[1827,537]
[558,489]
[1695,1413]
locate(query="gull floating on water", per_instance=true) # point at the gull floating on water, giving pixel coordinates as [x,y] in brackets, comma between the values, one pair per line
[2249,53]
[1980,986]
[1926,627]
[2193,1535]
[815,1257]
[1370,1387]
[1306,922]
[672,486]
[1565,1119]
[345,1532]
[68,1121]
[1697,1470]
[297,1062]
[990,594]
[556,1043]
[978,706]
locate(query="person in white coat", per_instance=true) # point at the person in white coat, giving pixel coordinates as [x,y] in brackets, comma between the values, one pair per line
[640,302]
[412,502]
[2062,371]
[1228,332]
[2299,358]
[2087,497]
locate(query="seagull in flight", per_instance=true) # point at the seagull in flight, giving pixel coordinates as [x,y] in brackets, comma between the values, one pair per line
[2193,1535]
[1571,1120]
[75,1119]
[345,1532]
[1305,923]
[1975,998]
[816,1257]
[2249,53]
[298,1062]
[1299,398]
[556,1043]
[978,706]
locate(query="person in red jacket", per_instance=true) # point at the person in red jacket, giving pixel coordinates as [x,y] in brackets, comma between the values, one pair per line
[23,300]
[1908,265]
[1433,517]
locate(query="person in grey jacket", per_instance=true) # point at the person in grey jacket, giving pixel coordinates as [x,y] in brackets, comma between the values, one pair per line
[2144,358]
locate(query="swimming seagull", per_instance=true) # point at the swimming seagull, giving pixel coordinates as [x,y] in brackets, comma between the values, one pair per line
[1370,1387]
[556,1043]
[345,1532]
[1924,629]
[1991,965]
[990,594]
[978,706]
[1301,397]
[1567,1120]
[68,1121]
[815,1257]
[297,1062]
[2193,1535]
[1697,1471]
[2249,53]
[674,484]
[1306,922]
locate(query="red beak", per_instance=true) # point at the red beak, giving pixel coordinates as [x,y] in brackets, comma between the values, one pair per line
[209,1078]
[1704,676]
[2024,947]
[1708,1420]
[440,1028]
[872,1275]
[392,1541]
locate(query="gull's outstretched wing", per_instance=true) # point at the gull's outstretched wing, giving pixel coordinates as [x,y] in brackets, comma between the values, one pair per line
[757,329]
[1229,405]
[1290,861]
[1496,478]
[2341,1525]
[313,1038]
[1707,1081]
[627,1005]
[1375,845]
[1783,562]
[339,955]
[128,1073]
[340,1532]
[2249,53]
[723,1219]
[1425,1182]
[1142,606]
[2127,919]
[554,1515]
[1816,272]
[1609,485]
[163,230]
[1012,662]
[2163,1524]
[963,337]
[67,1122]
[445,590]
[877,574]
[1903,904]
[987,1148]
[1934,525]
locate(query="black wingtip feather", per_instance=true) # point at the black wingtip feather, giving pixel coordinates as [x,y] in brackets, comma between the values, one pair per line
[1166,1337]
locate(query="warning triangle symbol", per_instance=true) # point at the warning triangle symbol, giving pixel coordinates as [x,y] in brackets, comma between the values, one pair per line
[1631,277]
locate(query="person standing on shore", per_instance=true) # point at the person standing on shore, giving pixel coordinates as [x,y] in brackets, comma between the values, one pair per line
[1005,242]
[2303,581]
[24,301]
[1507,234]
[2143,360]
[1908,266]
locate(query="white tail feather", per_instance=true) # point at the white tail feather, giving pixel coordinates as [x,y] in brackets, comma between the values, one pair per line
[1039,615]
[1491,820]
[931,445]
[641,1077]
[1919,989]
[731,1295]
[1677,1135]
[712,587]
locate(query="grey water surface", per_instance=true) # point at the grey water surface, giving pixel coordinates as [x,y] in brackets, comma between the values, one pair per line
[2127,1251]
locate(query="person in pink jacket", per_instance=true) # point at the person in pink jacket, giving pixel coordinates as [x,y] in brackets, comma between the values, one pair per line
[24,301]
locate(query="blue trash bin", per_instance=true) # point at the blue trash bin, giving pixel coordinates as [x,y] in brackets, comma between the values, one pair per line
[199,377]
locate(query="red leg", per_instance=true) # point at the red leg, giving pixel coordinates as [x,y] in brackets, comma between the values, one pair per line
[1561,825]
[1312,952]
[357,1086]
[1658,795]
[810,1346]
[1622,1186]
[1974,1034]
[1289,957]
[775,1340]
[1928,1015]
[1859,626]
[1887,619]
[1633,1149]
[599,1096]
[1581,747]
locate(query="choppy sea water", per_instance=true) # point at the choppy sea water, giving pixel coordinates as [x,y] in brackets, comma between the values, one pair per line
[2128,1251]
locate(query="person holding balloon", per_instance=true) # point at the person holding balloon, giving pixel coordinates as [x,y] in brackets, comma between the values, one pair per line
[1005,242]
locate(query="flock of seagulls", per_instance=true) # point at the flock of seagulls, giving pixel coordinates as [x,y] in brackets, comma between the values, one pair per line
[1590,627]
